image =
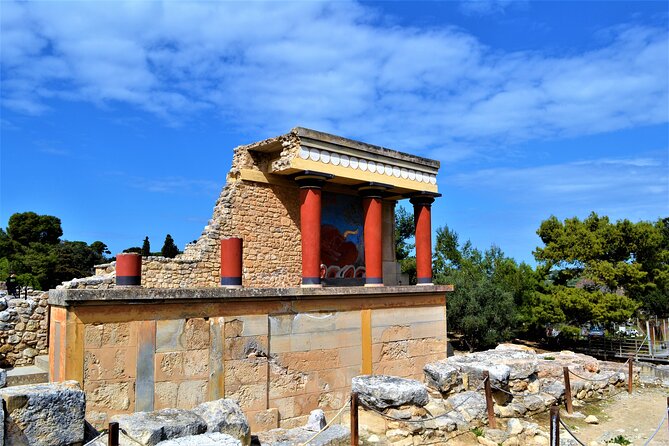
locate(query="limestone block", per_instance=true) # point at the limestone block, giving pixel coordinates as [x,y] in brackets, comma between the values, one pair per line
[470,404]
[206,439]
[44,414]
[225,415]
[3,378]
[336,435]
[316,421]
[474,365]
[442,376]
[150,428]
[381,392]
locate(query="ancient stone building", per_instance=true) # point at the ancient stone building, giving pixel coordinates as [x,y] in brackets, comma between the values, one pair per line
[321,299]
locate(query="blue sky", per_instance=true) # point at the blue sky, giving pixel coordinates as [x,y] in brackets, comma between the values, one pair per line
[120,118]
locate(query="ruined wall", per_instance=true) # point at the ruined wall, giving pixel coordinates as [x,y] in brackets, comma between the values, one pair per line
[23,328]
[280,358]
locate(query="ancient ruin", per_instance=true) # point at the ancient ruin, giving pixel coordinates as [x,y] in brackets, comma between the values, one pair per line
[281,321]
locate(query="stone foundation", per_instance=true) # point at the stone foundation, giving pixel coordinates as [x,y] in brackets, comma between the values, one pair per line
[281,353]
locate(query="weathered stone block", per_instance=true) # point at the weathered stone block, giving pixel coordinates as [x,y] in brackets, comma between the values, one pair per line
[168,335]
[44,414]
[381,392]
[225,415]
[442,376]
[206,439]
[150,428]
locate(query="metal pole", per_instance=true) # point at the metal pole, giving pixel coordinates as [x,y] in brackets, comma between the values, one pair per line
[112,434]
[630,376]
[555,426]
[354,419]
[567,390]
[488,400]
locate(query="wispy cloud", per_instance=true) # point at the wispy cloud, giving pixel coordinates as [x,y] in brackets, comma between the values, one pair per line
[488,7]
[175,185]
[335,66]
[620,187]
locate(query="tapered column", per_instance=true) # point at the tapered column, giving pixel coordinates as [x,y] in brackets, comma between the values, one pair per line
[422,205]
[310,228]
[373,228]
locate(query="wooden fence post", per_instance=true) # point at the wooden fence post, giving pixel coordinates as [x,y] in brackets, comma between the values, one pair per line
[354,419]
[488,400]
[630,374]
[555,426]
[112,434]
[567,390]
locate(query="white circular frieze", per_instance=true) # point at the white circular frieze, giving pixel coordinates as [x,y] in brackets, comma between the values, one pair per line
[371,166]
[325,157]
[404,173]
[362,165]
[345,161]
[412,175]
[388,169]
[334,159]
[304,153]
[314,154]
[354,162]
[396,171]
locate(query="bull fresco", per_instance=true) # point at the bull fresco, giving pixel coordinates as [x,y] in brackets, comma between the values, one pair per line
[342,247]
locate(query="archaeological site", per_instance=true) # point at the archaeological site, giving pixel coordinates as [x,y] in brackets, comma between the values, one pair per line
[287,311]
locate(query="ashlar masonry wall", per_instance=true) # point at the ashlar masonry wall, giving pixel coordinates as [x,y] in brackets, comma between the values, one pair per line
[280,352]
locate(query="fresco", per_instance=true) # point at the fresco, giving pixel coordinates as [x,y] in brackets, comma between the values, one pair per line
[342,247]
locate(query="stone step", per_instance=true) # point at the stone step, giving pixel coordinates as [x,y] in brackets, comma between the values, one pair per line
[42,362]
[31,374]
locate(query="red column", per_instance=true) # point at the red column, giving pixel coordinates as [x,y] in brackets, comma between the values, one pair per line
[421,212]
[231,262]
[310,227]
[371,204]
[128,269]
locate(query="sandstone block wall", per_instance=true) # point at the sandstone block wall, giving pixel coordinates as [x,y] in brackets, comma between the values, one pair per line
[280,359]
[24,326]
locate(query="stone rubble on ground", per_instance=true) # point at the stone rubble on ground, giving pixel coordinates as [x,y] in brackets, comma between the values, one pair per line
[206,439]
[44,414]
[382,392]
[225,416]
[526,384]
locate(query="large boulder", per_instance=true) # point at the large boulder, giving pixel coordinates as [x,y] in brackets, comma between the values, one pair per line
[44,414]
[470,404]
[225,416]
[381,391]
[442,376]
[474,365]
[335,435]
[206,439]
[150,428]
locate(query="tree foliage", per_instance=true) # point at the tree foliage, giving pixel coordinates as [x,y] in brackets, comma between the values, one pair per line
[482,308]
[169,248]
[31,247]
[404,232]
[146,247]
[623,257]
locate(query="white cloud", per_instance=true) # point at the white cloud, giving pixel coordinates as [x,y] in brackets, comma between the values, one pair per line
[269,66]
[635,188]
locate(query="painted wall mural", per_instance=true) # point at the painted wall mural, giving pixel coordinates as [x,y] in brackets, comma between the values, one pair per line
[342,247]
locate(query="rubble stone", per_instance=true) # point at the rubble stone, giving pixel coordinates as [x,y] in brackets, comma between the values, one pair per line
[382,391]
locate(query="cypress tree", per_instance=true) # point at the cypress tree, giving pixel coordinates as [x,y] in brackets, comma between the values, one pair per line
[146,247]
[169,250]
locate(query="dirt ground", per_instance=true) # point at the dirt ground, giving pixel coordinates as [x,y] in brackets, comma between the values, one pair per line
[635,417]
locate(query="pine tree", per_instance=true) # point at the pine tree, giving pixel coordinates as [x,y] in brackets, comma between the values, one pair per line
[146,247]
[170,249]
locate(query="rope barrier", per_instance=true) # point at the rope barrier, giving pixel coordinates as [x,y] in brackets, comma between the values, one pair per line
[327,425]
[571,433]
[656,430]
[390,417]
[100,435]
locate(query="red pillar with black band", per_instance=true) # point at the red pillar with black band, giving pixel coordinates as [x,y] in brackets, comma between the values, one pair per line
[231,262]
[422,205]
[373,226]
[128,269]
[310,226]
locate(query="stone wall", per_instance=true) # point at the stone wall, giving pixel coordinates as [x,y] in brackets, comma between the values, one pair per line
[281,353]
[23,328]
